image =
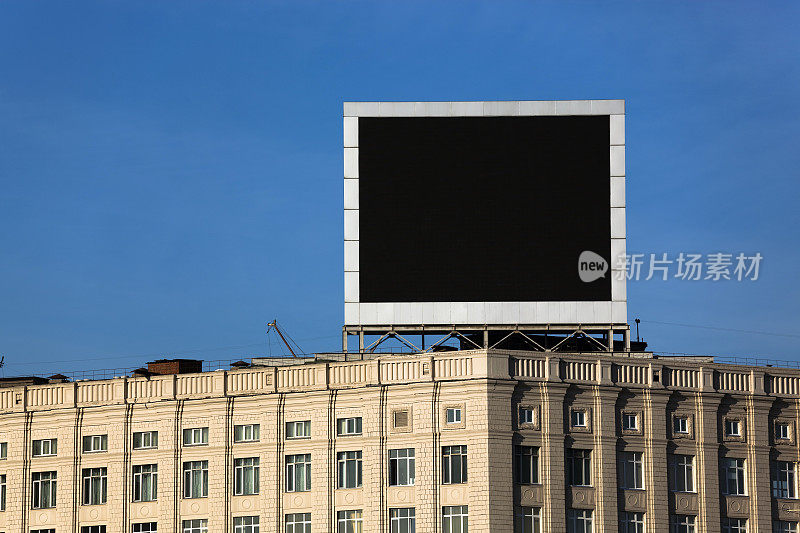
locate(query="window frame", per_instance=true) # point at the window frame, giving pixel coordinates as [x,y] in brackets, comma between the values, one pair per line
[451,513]
[52,447]
[46,484]
[579,457]
[192,469]
[299,523]
[294,424]
[343,426]
[344,462]
[94,486]
[526,474]
[528,519]
[246,524]
[152,436]
[631,469]
[349,521]
[145,482]
[632,522]
[254,429]
[402,516]
[678,465]
[402,461]
[101,441]
[244,468]
[454,471]
[294,463]
[195,525]
[784,480]
[203,433]
[734,469]
[582,517]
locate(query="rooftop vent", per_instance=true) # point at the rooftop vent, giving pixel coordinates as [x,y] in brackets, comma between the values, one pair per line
[175,366]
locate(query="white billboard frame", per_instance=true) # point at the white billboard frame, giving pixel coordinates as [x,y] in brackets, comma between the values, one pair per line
[357,313]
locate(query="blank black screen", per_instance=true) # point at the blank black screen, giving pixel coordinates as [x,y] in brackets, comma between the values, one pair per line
[474,209]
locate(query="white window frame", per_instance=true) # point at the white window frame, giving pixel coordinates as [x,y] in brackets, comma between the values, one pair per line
[47,447]
[3,450]
[44,485]
[630,421]
[244,467]
[2,492]
[196,525]
[580,520]
[195,436]
[733,427]
[734,469]
[402,467]
[734,525]
[680,425]
[344,460]
[93,529]
[784,526]
[148,440]
[631,468]
[454,464]
[529,519]
[94,486]
[94,443]
[453,415]
[631,522]
[349,521]
[192,469]
[246,524]
[402,520]
[145,483]
[455,514]
[145,527]
[526,463]
[527,416]
[683,473]
[298,463]
[247,433]
[292,429]
[349,426]
[577,418]
[783,431]
[579,457]
[298,523]
[784,480]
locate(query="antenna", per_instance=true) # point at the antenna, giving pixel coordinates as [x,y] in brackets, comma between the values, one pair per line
[274,325]
[2,359]
[637,329]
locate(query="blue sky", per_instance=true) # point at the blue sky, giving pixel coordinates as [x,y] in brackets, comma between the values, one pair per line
[171,172]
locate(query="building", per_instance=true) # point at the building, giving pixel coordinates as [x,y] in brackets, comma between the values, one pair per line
[491,440]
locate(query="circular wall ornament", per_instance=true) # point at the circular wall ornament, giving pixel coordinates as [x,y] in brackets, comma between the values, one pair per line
[402,495]
[247,504]
[298,501]
[195,507]
[144,511]
[93,514]
[349,498]
[683,502]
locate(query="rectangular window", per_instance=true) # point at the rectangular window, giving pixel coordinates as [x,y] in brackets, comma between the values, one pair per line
[2,492]
[3,450]
[349,469]
[733,476]
[403,520]
[45,447]
[453,415]
[51,530]
[579,467]
[298,523]
[247,433]
[784,480]
[681,523]
[195,479]
[44,490]
[578,418]
[630,422]
[734,525]
[631,470]
[145,483]
[195,436]
[245,476]
[298,473]
[683,473]
[733,428]
[781,526]
[246,524]
[348,426]
[680,425]
[349,521]
[143,440]
[95,443]
[631,522]
[93,529]
[454,464]
[195,526]
[455,519]
[526,415]
[95,486]
[526,461]
[401,419]
[783,431]
[402,467]
[579,521]
[145,527]
[528,520]
[299,429]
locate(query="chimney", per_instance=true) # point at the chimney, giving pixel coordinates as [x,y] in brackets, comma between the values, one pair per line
[175,366]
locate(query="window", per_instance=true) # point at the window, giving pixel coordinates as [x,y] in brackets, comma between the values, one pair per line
[734,525]
[195,526]
[402,466]
[95,486]
[45,447]
[733,477]
[683,473]
[454,464]
[143,440]
[145,527]
[245,524]
[298,473]
[680,425]
[300,429]
[526,416]
[348,426]
[195,436]
[630,422]
[298,523]
[631,522]
[44,490]
[528,520]
[95,443]
[784,480]
[246,433]
[349,521]
[783,431]
[349,469]
[578,418]
[51,530]
[93,529]
[732,428]
[3,450]
[145,483]
[780,526]
[195,479]
[579,467]
[403,520]
[453,415]
[526,461]
[400,418]
[2,492]
[245,476]
[579,521]
[631,471]
[681,524]
[455,519]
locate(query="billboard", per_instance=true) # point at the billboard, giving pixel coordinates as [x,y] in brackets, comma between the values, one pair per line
[469,213]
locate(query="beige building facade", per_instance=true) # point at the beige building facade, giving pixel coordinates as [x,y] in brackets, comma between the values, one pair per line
[449,442]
